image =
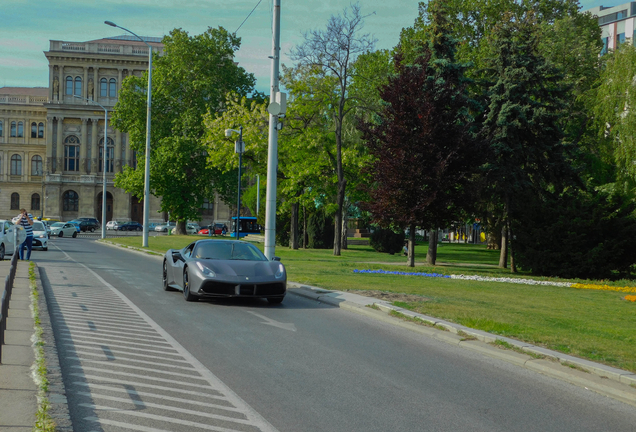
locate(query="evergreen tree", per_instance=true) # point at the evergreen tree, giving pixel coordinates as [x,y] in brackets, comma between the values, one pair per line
[423,147]
[527,153]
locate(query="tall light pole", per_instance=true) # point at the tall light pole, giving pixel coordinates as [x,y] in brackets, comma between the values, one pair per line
[239,147]
[105,161]
[148,109]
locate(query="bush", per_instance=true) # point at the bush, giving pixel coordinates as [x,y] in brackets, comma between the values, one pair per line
[588,236]
[320,230]
[386,240]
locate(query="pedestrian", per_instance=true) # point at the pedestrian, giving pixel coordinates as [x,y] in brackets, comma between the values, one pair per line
[26,221]
[224,230]
[405,249]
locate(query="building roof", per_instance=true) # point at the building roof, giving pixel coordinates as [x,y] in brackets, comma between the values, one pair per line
[129,40]
[25,91]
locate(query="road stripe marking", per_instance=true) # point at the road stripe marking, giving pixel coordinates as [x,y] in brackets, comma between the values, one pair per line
[72,329]
[154,379]
[82,343]
[101,350]
[157,396]
[125,425]
[149,369]
[113,358]
[156,417]
[159,341]
[75,322]
[99,318]
[152,386]
[105,339]
[93,395]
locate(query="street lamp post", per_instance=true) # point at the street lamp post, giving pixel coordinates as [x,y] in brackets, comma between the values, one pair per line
[239,147]
[105,161]
[148,110]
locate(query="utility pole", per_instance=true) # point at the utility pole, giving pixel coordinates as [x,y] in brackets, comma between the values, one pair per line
[272,152]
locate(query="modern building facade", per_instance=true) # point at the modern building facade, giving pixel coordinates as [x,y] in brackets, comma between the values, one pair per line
[52,138]
[617,24]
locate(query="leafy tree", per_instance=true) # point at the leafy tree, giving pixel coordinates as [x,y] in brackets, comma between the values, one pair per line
[331,53]
[422,146]
[526,103]
[190,79]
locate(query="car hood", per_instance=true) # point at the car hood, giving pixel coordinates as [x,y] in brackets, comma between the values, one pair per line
[242,267]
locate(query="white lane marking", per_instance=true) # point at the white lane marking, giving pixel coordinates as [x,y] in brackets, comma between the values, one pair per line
[254,417]
[101,350]
[110,359]
[148,369]
[157,396]
[79,333]
[152,386]
[124,425]
[84,323]
[73,329]
[127,316]
[242,421]
[155,417]
[82,343]
[118,358]
[273,323]
[105,339]
[101,318]
[154,379]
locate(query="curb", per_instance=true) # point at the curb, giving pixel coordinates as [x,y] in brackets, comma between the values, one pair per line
[606,380]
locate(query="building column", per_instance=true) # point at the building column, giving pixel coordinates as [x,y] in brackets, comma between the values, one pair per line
[94,151]
[84,147]
[119,78]
[59,169]
[51,72]
[96,86]
[117,165]
[49,144]
[85,85]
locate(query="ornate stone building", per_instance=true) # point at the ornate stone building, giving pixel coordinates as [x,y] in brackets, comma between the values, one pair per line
[52,139]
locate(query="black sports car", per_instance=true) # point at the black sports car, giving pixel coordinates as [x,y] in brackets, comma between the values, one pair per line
[224,268]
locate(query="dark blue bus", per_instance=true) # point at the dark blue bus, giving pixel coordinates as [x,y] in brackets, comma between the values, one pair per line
[247,226]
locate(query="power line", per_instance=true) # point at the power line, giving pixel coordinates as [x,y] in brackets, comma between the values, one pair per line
[259,2]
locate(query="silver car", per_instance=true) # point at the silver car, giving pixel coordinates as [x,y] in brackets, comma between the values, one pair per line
[212,268]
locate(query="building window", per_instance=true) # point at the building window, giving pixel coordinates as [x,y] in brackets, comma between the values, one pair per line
[620,39]
[112,88]
[110,155]
[78,86]
[13,133]
[15,201]
[70,201]
[71,153]
[20,130]
[1,129]
[207,208]
[69,86]
[36,165]
[34,130]
[605,46]
[35,201]
[16,165]
[41,130]
[103,87]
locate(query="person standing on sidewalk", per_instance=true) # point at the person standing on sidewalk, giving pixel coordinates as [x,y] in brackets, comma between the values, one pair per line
[26,221]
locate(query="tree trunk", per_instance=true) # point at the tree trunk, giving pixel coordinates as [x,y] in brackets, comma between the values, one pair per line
[180,229]
[431,254]
[411,248]
[345,223]
[503,255]
[305,236]
[513,267]
[293,240]
[338,219]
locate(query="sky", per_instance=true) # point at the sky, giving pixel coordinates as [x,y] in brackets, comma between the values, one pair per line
[29,25]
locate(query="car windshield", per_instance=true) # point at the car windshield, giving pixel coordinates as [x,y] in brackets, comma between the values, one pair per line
[58,224]
[38,226]
[228,251]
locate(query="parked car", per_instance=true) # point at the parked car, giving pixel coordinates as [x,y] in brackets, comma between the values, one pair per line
[190,229]
[164,227]
[211,268]
[64,229]
[88,225]
[76,222]
[130,226]
[94,221]
[217,227]
[112,225]
[40,236]
[6,238]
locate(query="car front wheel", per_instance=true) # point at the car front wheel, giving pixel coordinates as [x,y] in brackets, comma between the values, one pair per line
[166,287]
[75,234]
[2,252]
[61,234]
[186,287]
[92,229]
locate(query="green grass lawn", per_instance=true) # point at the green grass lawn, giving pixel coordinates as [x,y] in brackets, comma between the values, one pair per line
[596,325]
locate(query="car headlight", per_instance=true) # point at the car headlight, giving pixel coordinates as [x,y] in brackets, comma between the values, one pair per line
[205,270]
[281,271]
[42,236]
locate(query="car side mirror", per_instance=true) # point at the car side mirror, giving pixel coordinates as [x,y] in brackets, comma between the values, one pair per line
[177,256]
[275,258]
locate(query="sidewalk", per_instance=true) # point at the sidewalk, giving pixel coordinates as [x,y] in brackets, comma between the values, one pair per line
[18,402]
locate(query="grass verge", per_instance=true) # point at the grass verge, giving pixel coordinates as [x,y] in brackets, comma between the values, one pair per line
[595,325]
[43,421]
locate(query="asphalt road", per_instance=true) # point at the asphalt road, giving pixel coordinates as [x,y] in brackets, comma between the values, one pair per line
[137,358]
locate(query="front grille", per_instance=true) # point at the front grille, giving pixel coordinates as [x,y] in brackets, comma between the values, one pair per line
[270,289]
[220,288]
[261,290]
